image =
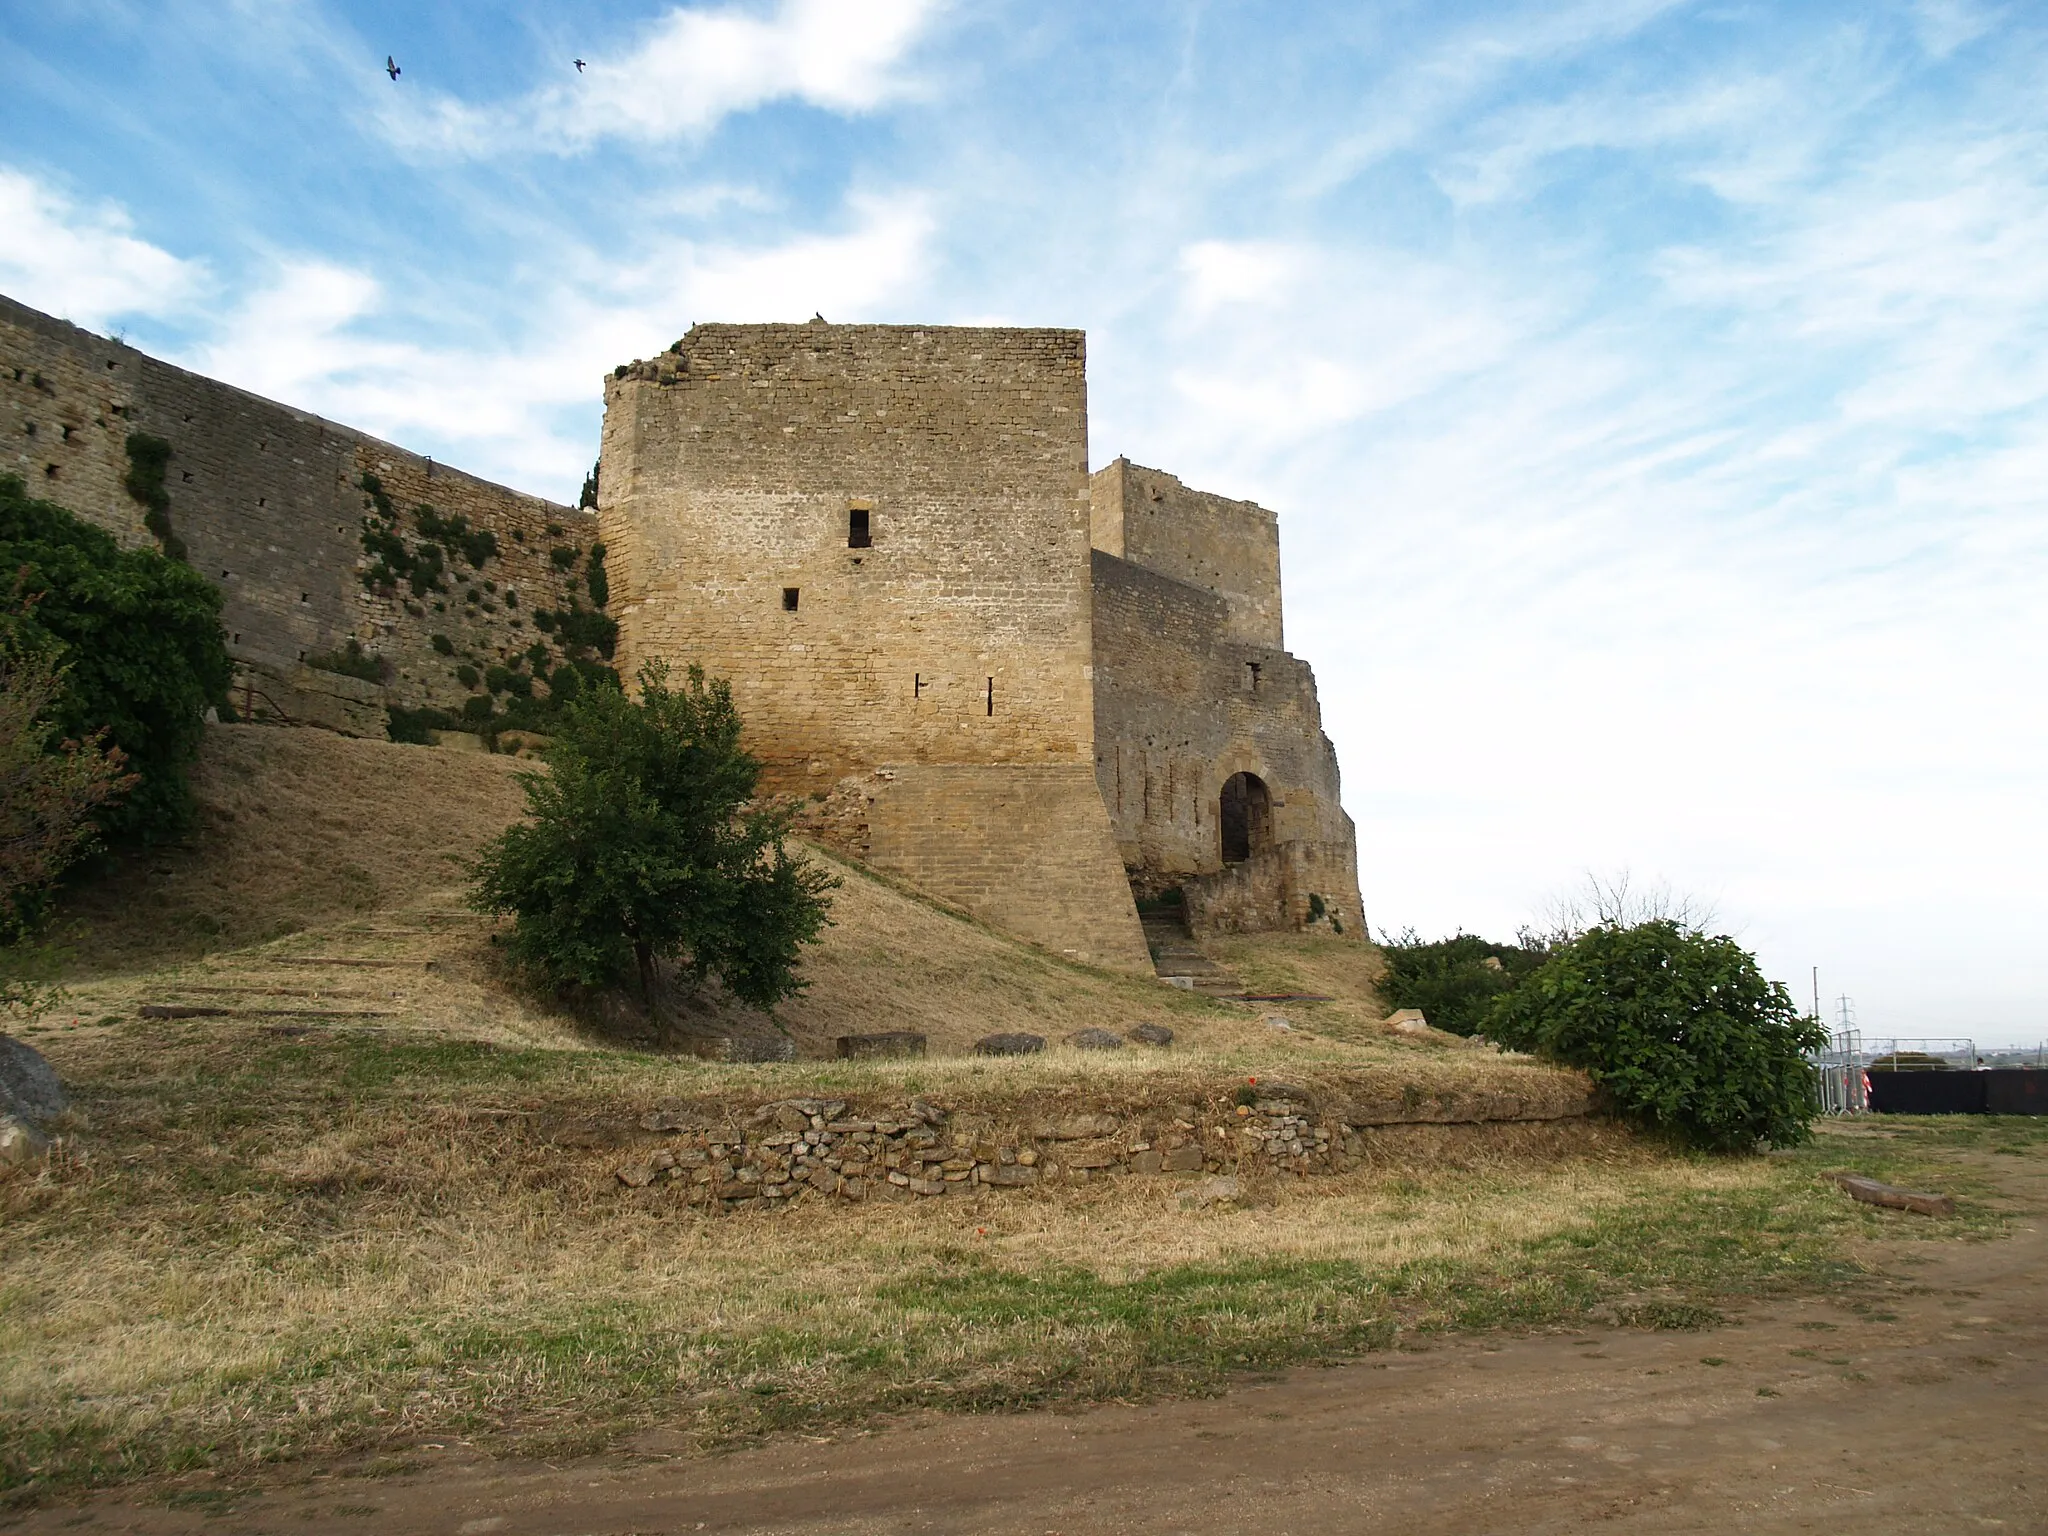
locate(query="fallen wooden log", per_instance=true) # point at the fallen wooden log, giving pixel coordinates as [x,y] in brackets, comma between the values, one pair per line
[1875,1192]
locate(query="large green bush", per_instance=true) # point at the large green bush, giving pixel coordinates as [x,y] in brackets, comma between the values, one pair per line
[639,846]
[1680,1031]
[139,639]
[1453,981]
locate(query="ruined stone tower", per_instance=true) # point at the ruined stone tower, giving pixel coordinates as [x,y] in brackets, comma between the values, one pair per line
[880,535]
[1026,693]
[1209,744]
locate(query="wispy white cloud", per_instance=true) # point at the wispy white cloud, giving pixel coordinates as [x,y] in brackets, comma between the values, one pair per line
[1413,103]
[688,71]
[84,261]
[330,339]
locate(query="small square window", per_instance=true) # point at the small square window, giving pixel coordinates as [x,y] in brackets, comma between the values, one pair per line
[789,596]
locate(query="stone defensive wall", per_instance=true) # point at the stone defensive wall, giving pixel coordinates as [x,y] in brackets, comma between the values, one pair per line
[1192,687]
[1230,548]
[270,504]
[719,1155]
[880,534]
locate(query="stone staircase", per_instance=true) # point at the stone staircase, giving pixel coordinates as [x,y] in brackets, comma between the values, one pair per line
[1180,960]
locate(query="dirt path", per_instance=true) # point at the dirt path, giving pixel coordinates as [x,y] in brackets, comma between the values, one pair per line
[1804,1417]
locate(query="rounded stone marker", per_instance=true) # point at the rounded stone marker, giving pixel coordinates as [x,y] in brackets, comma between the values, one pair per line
[1151,1034]
[1095,1040]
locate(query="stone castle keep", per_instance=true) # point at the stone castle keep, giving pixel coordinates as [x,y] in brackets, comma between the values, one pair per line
[1037,694]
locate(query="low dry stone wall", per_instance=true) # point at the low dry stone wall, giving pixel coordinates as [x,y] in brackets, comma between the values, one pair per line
[780,1152]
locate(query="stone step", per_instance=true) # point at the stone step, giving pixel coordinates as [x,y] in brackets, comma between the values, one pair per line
[1177,958]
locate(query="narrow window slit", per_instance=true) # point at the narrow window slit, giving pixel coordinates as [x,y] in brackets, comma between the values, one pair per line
[991,696]
[857,534]
[789,597]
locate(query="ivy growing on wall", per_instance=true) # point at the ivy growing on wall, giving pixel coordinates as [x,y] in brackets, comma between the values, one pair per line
[424,566]
[148,458]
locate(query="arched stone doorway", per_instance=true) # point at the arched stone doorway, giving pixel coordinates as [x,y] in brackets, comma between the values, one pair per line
[1246,817]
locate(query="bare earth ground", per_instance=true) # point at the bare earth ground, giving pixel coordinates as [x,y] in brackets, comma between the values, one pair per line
[1915,1404]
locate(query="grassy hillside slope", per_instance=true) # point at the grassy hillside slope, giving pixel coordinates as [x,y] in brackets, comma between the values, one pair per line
[315,848]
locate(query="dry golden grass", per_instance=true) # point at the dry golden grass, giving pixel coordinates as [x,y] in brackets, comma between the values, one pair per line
[346,1232]
[275,1247]
[296,830]
[314,847]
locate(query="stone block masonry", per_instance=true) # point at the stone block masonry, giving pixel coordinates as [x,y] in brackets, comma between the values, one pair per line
[1193,690]
[880,535]
[721,1157]
[268,503]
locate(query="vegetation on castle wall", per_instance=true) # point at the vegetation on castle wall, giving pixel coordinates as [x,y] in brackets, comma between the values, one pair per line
[580,629]
[638,847]
[423,565]
[140,640]
[351,661]
[594,577]
[148,459]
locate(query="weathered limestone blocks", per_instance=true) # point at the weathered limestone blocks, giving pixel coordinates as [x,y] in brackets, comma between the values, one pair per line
[879,535]
[1192,690]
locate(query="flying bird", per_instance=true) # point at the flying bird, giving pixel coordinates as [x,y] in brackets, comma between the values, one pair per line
[391,67]
[579,66]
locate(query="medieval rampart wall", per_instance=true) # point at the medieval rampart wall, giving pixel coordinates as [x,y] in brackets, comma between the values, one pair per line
[267,501]
[879,534]
[1231,548]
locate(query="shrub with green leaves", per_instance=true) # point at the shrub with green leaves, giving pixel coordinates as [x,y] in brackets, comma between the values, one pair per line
[1453,981]
[139,639]
[1679,1031]
[638,846]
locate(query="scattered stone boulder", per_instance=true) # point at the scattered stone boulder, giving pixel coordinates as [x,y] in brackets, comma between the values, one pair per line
[29,1090]
[924,1112]
[885,1044]
[1275,1021]
[1151,1034]
[1095,1040]
[1015,1043]
[1408,1021]
[30,1098]
[1218,1191]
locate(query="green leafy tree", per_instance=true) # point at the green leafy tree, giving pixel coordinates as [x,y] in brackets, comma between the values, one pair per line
[1680,1031]
[139,639]
[1453,981]
[639,847]
[53,789]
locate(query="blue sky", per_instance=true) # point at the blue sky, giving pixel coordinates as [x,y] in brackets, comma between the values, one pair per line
[1654,395]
